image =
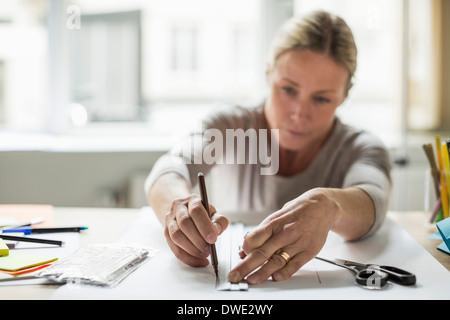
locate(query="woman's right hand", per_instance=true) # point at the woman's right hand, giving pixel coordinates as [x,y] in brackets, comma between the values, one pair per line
[189,230]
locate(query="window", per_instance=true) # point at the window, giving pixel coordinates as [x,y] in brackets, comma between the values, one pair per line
[164,64]
[23,65]
[104,60]
[184,48]
[373,102]
[84,62]
[188,59]
[2,94]
[426,64]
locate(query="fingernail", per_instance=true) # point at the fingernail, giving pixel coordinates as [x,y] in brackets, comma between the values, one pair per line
[253,279]
[205,252]
[234,276]
[276,276]
[210,238]
[218,228]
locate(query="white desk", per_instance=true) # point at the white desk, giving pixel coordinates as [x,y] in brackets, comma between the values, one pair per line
[149,281]
[105,225]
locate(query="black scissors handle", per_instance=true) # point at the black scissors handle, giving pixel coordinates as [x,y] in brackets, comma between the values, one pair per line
[372,278]
[399,276]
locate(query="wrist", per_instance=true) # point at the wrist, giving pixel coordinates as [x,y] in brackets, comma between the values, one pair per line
[328,201]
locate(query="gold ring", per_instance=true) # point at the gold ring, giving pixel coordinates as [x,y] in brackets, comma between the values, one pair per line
[284,255]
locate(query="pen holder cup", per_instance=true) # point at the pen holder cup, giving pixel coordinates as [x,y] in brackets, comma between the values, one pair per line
[431,201]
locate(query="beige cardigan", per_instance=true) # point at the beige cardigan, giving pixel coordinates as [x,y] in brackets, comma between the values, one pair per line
[349,158]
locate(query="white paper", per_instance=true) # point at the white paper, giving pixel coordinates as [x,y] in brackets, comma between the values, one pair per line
[164,277]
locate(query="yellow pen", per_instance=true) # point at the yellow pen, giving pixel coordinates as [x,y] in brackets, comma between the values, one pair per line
[444,197]
[446,178]
[444,192]
[446,163]
[438,151]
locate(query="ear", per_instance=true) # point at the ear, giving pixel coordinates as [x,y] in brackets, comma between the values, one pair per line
[347,90]
[268,74]
[349,86]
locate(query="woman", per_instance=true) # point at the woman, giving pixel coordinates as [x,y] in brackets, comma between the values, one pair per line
[330,177]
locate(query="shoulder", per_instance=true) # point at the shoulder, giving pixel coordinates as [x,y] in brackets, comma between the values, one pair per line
[233,117]
[357,145]
[356,138]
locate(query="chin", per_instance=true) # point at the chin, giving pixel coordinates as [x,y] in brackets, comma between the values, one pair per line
[291,145]
[288,142]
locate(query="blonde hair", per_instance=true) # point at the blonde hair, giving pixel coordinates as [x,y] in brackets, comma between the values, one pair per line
[319,32]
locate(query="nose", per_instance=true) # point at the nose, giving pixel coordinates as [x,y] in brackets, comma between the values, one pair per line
[301,110]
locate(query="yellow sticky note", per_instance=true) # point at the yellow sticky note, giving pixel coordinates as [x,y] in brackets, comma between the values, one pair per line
[18,261]
[4,250]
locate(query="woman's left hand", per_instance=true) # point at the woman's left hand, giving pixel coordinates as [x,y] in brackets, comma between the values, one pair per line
[299,229]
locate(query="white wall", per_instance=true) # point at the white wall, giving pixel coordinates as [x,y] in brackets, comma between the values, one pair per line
[89,179]
[102,179]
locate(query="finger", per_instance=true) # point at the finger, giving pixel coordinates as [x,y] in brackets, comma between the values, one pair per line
[294,264]
[251,262]
[201,220]
[256,258]
[184,256]
[189,231]
[220,223]
[269,227]
[178,237]
[275,263]
[257,237]
[212,210]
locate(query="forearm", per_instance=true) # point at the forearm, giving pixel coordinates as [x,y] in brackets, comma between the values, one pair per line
[355,212]
[300,229]
[166,189]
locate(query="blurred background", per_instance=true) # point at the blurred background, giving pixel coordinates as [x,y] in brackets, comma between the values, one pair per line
[92,91]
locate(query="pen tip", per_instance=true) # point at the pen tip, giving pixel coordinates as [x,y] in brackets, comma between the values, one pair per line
[200,174]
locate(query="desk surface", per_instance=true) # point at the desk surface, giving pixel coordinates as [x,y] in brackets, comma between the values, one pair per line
[413,223]
[106,225]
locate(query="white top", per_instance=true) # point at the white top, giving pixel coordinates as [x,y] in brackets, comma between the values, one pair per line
[348,158]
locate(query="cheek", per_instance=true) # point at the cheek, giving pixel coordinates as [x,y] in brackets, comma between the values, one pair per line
[277,109]
[273,112]
[326,117]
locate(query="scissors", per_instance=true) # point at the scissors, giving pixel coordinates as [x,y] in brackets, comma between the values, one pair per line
[374,276]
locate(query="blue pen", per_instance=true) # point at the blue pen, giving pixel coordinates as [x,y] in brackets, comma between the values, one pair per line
[18,230]
[44,230]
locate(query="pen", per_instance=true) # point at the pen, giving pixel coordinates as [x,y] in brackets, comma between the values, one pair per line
[428,148]
[446,163]
[436,210]
[202,186]
[29,223]
[26,239]
[43,230]
[448,146]
[444,192]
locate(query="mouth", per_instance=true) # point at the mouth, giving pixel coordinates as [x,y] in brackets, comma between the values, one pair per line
[295,133]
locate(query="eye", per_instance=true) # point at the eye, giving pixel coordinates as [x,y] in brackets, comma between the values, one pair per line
[289,91]
[322,100]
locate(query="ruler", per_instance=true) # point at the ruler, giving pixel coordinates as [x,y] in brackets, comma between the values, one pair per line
[228,247]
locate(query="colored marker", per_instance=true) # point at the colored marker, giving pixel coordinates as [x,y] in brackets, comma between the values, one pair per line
[43,230]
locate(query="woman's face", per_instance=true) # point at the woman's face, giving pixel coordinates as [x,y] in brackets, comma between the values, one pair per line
[305,89]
